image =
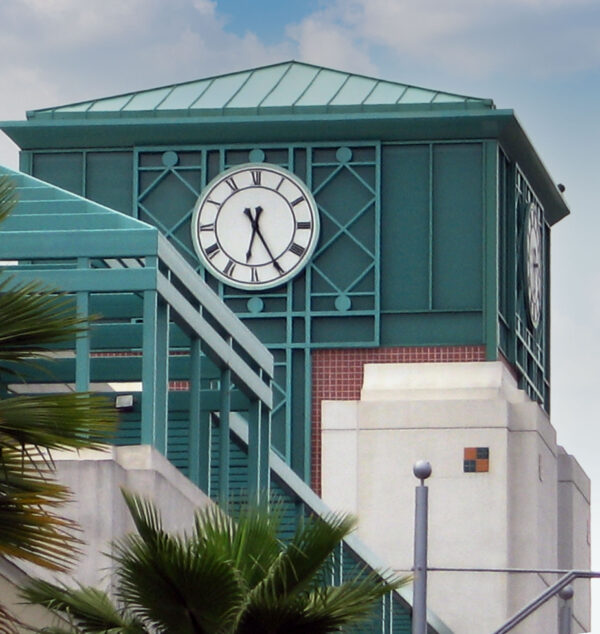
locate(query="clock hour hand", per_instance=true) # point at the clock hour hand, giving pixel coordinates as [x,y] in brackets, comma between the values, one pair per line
[254,223]
[256,230]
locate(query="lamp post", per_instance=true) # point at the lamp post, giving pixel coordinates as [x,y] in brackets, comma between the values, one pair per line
[566,594]
[422,470]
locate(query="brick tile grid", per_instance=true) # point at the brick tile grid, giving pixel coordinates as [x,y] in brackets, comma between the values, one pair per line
[337,375]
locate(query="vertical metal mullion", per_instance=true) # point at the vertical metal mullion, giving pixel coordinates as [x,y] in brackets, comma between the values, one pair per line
[377,289]
[224,453]
[82,342]
[149,367]
[136,183]
[253,451]
[84,154]
[161,433]
[490,242]
[307,470]
[199,443]
[431,255]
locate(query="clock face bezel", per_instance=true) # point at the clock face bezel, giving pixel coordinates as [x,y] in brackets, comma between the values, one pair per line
[226,226]
[534,263]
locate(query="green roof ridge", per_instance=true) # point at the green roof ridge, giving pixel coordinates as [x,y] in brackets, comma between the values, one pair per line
[288,85]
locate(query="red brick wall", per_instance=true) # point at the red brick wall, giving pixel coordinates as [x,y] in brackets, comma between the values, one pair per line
[337,375]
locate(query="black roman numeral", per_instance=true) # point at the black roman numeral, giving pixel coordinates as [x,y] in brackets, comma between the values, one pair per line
[296,249]
[208,227]
[232,184]
[279,184]
[303,224]
[229,268]
[256,177]
[254,275]
[212,250]
[297,201]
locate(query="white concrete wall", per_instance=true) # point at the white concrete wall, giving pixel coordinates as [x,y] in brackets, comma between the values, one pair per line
[574,542]
[95,478]
[505,518]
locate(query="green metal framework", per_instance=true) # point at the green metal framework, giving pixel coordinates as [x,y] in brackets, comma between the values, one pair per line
[159,323]
[523,345]
[200,379]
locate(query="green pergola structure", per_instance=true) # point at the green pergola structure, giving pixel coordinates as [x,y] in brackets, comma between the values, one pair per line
[200,381]
[160,333]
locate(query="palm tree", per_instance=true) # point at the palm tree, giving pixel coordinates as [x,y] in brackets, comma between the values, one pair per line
[227,577]
[32,319]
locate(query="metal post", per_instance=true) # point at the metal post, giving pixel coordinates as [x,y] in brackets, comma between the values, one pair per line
[422,470]
[566,594]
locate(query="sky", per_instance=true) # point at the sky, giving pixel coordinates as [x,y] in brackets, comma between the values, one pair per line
[540,58]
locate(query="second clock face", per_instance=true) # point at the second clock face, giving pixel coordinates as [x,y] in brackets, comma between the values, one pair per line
[255,226]
[534,259]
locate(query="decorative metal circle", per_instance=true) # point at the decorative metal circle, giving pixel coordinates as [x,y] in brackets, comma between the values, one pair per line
[256,156]
[255,305]
[170,159]
[344,154]
[343,303]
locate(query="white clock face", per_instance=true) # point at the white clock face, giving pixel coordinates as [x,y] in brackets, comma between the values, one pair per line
[255,226]
[534,255]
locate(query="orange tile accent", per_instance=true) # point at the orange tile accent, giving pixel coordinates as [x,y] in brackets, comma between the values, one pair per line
[470,453]
[481,465]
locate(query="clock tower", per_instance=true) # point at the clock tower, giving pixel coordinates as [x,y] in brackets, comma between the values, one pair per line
[390,245]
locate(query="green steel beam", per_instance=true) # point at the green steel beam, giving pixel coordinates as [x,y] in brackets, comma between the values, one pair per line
[490,241]
[213,344]
[224,451]
[410,125]
[108,243]
[211,302]
[92,280]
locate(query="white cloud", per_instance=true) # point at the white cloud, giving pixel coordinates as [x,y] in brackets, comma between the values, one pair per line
[526,37]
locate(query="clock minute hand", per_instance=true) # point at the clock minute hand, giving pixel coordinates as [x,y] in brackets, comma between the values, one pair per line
[254,223]
[260,235]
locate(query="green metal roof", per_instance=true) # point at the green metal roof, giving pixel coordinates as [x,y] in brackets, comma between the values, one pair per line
[44,208]
[288,86]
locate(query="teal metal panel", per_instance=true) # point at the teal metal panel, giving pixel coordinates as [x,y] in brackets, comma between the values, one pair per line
[183,96]
[457,226]
[109,179]
[64,170]
[220,91]
[291,86]
[354,91]
[406,243]
[258,85]
[323,88]
[432,329]
[147,100]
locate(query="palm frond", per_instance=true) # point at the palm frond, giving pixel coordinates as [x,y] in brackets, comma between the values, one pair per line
[8,198]
[296,568]
[34,316]
[56,421]
[28,528]
[250,541]
[179,583]
[86,609]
